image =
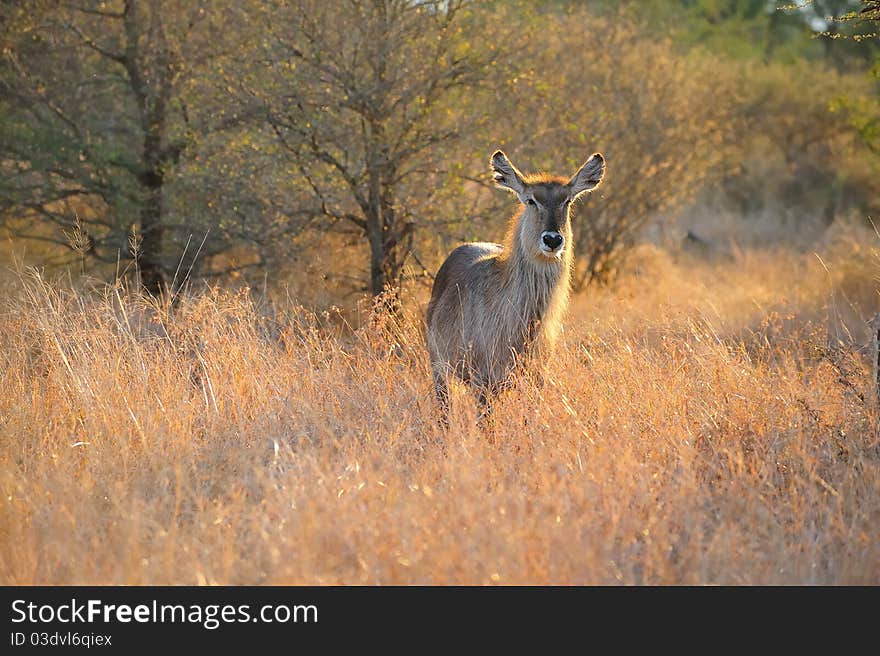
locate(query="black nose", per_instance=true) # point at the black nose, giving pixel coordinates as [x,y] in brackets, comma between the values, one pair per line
[552,240]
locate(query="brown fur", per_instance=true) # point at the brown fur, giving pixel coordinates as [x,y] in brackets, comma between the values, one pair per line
[492,305]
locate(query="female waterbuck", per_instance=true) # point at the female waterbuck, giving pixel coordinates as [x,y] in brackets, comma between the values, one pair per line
[493,305]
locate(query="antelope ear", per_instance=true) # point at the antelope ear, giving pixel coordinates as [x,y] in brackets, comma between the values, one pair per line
[588,176]
[506,175]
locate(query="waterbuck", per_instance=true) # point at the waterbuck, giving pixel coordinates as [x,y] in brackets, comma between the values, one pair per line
[494,306]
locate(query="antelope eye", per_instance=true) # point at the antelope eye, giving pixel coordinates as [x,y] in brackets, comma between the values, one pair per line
[531,201]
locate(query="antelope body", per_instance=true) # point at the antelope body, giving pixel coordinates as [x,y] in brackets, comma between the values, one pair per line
[493,305]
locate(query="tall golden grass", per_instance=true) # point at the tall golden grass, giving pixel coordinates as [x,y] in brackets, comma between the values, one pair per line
[701,423]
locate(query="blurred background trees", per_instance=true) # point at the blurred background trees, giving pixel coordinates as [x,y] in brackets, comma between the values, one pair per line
[339,147]
[94,122]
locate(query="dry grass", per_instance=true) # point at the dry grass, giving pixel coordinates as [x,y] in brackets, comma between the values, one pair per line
[702,424]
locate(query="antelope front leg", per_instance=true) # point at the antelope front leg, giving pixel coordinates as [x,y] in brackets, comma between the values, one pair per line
[441,391]
[485,407]
[486,396]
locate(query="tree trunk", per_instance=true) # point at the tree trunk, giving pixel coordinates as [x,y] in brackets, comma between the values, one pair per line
[150,265]
[389,242]
[152,272]
[151,87]
[375,232]
[377,257]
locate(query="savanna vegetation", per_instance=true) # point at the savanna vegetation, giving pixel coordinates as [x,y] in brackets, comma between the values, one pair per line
[220,222]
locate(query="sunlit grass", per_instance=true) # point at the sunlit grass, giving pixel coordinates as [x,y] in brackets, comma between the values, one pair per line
[700,424]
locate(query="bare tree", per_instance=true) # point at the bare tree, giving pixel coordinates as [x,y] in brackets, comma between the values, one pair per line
[356,93]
